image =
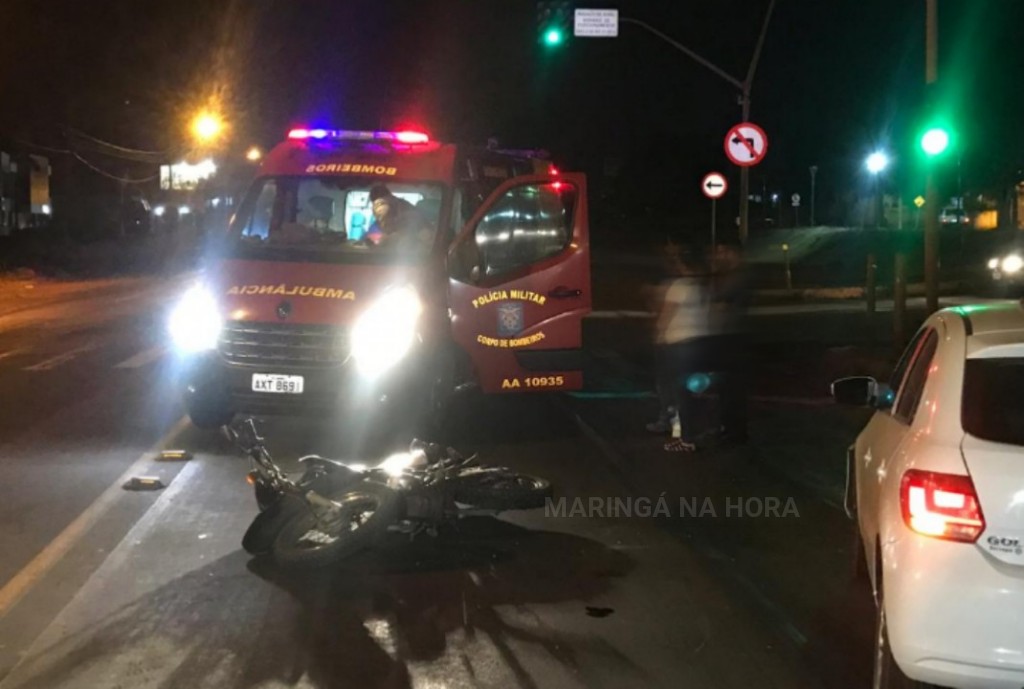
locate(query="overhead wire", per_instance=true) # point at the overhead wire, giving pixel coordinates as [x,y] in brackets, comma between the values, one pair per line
[123,180]
[41,147]
[116,147]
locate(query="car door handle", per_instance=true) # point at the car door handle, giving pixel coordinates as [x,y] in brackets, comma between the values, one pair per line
[561,292]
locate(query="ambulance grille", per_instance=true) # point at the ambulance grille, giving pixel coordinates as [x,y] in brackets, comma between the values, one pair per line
[284,344]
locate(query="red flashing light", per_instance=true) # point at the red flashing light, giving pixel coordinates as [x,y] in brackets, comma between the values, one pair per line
[552,170]
[298,134]
[941,505]
[411,137]
[557,186]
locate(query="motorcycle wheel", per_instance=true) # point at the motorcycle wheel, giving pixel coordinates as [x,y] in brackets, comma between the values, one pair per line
[501,489]
[367,509]
[260,536]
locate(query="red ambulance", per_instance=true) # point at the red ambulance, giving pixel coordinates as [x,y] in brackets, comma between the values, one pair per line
[477,271]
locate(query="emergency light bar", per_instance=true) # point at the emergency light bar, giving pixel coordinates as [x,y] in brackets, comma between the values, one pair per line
[402,137]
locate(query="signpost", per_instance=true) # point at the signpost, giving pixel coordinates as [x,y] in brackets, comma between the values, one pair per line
[795,198]
[596,23]
[714,187]
[746,144]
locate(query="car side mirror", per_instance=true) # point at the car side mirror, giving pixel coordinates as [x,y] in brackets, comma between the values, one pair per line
[857,391]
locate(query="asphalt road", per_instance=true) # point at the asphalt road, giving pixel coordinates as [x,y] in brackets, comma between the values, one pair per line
[102,587]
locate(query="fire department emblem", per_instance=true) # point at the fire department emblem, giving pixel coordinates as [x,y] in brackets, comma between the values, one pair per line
[510,319]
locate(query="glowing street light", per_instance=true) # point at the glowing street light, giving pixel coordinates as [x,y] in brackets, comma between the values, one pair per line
[877,162]
[253,154]
[207,126]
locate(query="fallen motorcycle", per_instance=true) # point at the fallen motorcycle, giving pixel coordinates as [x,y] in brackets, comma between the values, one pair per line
[335,509]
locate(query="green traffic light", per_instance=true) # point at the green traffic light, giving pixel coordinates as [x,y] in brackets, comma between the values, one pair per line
[935,141]
[553,37]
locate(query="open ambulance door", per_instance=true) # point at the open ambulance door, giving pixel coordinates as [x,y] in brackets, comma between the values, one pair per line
[519,285]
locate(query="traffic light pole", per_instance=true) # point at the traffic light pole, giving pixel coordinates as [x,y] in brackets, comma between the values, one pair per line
[748,83]
[931,209]
[744,87]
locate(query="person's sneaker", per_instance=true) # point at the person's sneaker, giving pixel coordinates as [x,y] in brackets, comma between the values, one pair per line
[680,445]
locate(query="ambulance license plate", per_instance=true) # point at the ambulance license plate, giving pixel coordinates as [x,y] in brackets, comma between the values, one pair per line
[277,383]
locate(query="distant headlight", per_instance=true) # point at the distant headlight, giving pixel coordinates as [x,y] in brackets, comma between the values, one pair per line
[158,211]
[386,331]
[993,263]
[195,321]
[1012,264]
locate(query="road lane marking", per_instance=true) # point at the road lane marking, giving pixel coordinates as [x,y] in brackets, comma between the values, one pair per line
[55,361]
[143,358]
[30,575]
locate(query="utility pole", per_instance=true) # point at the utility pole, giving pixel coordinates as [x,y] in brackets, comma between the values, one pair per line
[744,87]
[931,209]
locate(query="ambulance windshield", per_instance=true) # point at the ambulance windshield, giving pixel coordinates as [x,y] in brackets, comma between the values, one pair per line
[332,218]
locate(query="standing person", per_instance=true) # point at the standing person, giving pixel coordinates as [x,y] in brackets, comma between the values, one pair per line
[680,330]
[728,348]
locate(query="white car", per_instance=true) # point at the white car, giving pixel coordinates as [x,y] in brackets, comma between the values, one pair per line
[936,484]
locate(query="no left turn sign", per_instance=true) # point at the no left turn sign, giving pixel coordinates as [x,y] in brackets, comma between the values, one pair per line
[714,185]
[746,144]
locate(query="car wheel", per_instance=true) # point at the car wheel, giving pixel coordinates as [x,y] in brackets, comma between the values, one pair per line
[887,674]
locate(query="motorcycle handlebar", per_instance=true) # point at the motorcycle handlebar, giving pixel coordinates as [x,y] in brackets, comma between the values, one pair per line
[245,435]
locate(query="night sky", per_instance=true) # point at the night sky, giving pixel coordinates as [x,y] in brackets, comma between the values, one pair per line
[837,78]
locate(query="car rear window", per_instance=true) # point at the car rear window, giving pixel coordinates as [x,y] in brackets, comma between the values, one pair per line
[993,403]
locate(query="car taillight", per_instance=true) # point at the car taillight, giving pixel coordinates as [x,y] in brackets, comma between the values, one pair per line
[941,505]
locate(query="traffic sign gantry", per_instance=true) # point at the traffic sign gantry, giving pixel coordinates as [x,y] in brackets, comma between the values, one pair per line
[714,185]
[746,144]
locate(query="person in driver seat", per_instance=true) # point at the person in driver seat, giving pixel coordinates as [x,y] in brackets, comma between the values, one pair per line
[402,226]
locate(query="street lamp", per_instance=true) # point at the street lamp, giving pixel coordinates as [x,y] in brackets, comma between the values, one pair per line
[253,154]
[877,162]
[207,126]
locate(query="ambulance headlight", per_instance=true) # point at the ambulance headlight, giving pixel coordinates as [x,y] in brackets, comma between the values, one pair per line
[1012,264]
[993,263]
[195,321]
[386,331]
